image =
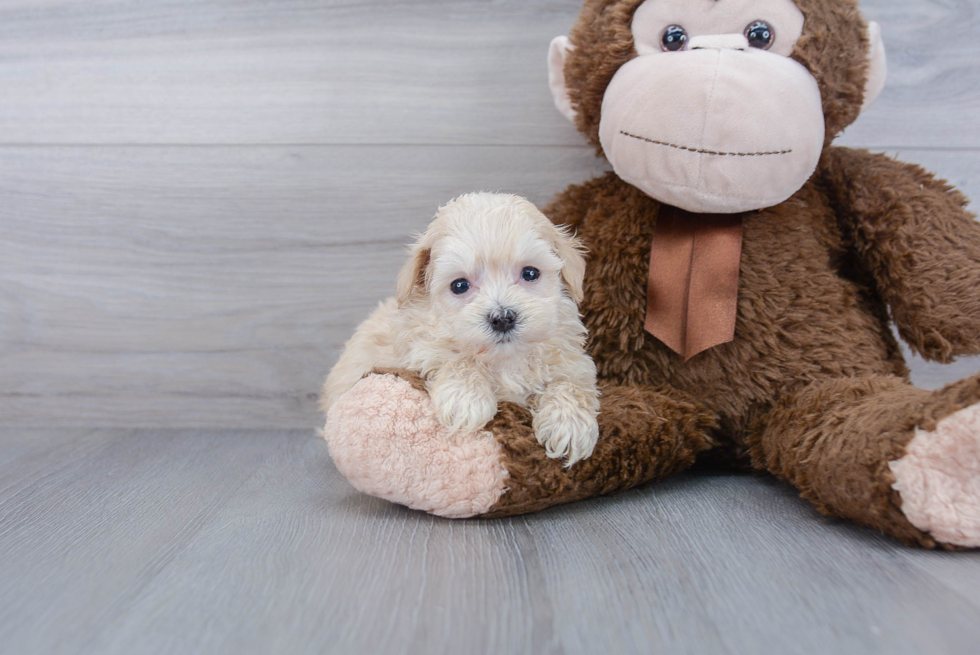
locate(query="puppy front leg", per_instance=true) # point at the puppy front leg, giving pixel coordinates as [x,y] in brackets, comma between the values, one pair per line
[564,420]
[463,398]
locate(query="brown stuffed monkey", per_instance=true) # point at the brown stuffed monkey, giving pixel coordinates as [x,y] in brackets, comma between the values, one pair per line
[742,275]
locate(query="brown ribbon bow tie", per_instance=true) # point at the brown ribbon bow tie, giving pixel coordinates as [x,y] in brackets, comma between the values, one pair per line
[692,291]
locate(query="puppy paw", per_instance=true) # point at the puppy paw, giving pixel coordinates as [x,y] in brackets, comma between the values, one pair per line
[463,408]
[566,426]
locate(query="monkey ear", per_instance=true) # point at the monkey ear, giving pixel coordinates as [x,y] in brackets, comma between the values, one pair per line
[572,254]
[557,52]
[877,65]
[411,279]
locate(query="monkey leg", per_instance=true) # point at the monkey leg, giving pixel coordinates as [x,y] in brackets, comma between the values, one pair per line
[384,437]
[884,454]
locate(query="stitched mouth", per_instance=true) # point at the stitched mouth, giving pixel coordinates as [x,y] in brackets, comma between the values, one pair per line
[699,151]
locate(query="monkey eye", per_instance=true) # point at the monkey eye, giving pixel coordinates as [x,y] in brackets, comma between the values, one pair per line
[674,38]
[760,35]
[530,274]
[460,286]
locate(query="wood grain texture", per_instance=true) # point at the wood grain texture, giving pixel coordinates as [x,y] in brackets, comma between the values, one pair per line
[213,286]
[384,71]
[88,519]
[931,99]
[156,541]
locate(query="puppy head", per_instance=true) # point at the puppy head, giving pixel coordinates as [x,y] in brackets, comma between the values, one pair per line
[496,272]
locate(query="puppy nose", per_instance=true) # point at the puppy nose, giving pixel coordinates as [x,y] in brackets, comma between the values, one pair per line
[503,320]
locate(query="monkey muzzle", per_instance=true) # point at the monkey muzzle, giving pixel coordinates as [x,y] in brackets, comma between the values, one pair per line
[713,129]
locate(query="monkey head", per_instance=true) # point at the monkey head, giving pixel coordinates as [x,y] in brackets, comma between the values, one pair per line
[716,106]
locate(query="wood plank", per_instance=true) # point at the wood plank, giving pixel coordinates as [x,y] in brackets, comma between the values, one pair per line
[746,565]
[26,444]
[84,528]
[924,87]
[961,575]
[214,286]
[159,541]
[301,71]
[302,563]
[381,71]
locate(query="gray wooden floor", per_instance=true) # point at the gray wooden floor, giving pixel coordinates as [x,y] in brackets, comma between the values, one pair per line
[243,542]
[199,199]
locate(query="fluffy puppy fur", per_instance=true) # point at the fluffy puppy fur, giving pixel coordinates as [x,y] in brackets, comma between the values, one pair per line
[468,319]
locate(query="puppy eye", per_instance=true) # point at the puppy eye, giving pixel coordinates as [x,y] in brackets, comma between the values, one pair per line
[460,286]
[530,274]
[673,39]
[760,35]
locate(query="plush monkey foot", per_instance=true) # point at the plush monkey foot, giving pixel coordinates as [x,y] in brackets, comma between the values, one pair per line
[385,439]
[885,454]
[384,436]
[939,479]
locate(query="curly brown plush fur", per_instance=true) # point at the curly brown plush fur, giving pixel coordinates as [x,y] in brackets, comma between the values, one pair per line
[647,433]
[813,387]
[811,334]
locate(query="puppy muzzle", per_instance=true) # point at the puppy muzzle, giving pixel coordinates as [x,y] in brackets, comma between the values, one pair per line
[502,320]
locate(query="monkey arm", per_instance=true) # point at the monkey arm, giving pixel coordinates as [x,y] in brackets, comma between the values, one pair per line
[645,434]
[385,438]
[914,235]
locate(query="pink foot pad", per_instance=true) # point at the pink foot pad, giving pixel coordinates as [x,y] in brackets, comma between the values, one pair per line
[385,439]
[939,479]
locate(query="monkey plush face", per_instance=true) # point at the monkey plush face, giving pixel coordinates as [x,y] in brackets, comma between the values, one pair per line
[713,106]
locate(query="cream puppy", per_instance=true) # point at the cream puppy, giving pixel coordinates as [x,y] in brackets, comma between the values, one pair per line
[485,310]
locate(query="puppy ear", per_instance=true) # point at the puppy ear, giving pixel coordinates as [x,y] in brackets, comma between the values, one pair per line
[411,279]
[572,254]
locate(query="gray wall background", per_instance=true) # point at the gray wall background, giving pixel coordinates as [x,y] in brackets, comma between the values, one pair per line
[199,200]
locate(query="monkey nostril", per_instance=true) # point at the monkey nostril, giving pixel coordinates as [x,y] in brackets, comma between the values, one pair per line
[503,320]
